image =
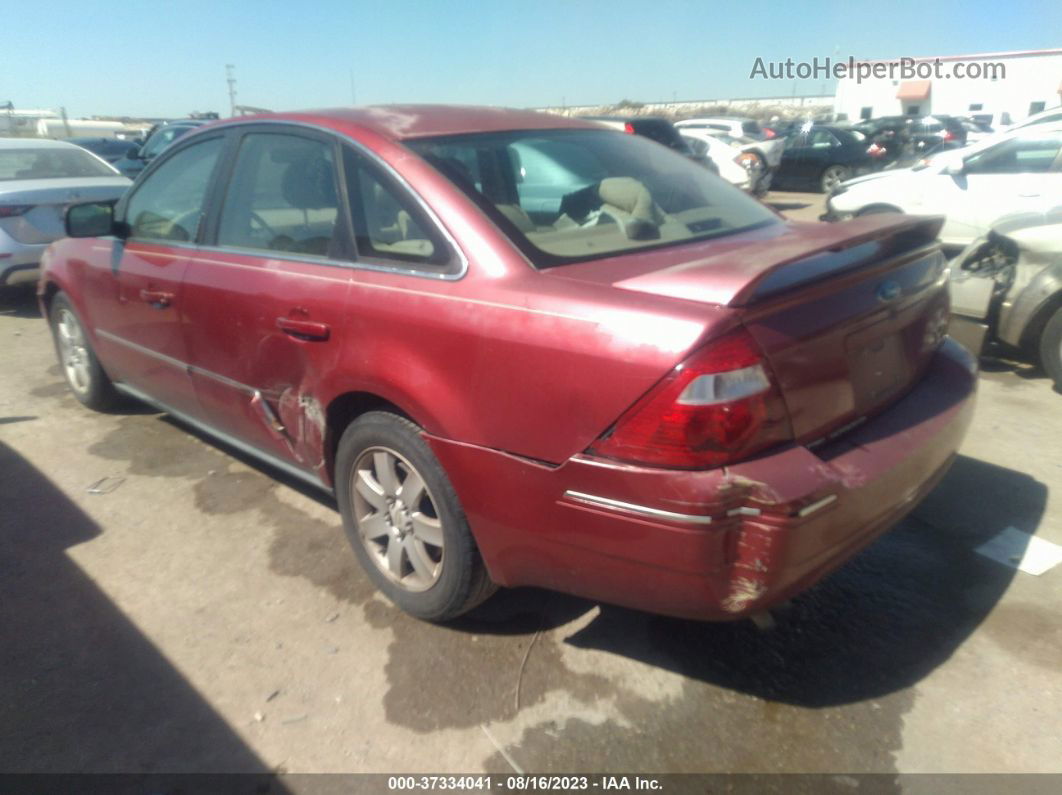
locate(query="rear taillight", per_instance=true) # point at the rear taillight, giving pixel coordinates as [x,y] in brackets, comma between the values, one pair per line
[746,160]
[628,128]
[11,210]
[705,413]
[949,135]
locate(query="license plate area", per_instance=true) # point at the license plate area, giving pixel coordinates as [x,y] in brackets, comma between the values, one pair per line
[878,368]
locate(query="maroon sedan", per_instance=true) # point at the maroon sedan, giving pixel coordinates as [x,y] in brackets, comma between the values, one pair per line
[525,350]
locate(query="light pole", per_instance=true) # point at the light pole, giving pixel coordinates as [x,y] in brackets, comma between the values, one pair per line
[230,78]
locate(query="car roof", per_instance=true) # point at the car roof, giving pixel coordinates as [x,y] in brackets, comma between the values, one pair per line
[721,118]
[35,143]
[401,122]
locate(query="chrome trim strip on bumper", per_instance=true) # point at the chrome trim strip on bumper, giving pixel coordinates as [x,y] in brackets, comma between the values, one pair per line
[617,505]
[807,510]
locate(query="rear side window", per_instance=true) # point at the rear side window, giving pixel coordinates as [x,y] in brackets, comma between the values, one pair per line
[388,224]
[282,196]
[168,205]
[50,163]
[1017,156]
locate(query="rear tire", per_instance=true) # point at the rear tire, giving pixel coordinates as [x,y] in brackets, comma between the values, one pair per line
[403,518]
[81,368]
[877,209]
[832,176]
[1051,348]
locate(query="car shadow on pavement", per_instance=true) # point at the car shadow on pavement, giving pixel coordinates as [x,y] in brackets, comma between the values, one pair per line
[999,364]
[83,690]
[19,301]
[781,206]
[878,625]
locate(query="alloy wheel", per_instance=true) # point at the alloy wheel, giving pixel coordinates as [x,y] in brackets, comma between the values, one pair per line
[396,518]
[73,352]
[832,177]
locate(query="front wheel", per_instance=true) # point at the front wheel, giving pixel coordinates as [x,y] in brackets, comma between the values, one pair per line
[1051,348]
[84,374]
[832,177]
[403,518]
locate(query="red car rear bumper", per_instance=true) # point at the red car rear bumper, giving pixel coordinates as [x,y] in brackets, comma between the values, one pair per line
[719,544]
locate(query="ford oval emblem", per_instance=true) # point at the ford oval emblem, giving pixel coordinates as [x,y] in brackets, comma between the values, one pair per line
[889,291]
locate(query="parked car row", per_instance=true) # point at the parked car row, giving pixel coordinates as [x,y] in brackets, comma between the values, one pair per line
[1001,200]
[973,187]
[524,350]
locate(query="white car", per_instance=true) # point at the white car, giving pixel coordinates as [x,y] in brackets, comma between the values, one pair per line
[737,126]
[39,178]
[1049,116]
[1018,172]
[733,165]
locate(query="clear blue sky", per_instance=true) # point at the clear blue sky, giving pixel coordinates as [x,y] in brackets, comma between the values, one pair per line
[168,58]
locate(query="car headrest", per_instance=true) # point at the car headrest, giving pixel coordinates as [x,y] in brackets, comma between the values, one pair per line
[308,184]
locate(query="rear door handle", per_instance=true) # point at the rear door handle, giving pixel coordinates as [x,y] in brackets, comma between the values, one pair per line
[157,298]
[304,329]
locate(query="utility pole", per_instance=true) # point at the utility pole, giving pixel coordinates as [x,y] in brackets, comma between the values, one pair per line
[230,78]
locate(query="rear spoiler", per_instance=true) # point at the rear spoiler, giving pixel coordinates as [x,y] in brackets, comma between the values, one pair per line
[845,246]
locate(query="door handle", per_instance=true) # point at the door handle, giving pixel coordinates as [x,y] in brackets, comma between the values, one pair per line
[304,329]
[157,298]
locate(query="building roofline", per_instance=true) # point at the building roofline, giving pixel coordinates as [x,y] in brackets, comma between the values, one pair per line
[970,57]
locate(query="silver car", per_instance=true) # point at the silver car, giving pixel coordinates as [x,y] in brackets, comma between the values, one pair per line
[39,178]
[1007,286]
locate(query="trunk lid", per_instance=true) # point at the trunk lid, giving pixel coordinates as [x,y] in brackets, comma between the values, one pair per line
[848,315]
[49,200]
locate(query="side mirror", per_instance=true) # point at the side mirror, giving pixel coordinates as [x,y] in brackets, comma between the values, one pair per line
[90,219]
[953,167]
[133,153]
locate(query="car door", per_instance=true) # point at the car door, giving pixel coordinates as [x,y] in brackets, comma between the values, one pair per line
[807,155]
[135,301]
[267,302]
[265,299]
[1017,175]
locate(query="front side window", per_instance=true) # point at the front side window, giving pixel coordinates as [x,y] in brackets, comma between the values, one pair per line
[570,195]
[49,163]
[168,205]
[1017,156]
[282,196]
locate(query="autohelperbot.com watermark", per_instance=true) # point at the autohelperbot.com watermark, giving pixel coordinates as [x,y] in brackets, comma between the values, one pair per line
[898,69]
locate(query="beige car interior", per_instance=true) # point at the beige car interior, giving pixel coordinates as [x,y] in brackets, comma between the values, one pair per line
[628,217]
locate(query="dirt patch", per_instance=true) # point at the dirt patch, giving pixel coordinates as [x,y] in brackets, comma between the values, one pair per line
[51,390]
[468,673]
[151,446]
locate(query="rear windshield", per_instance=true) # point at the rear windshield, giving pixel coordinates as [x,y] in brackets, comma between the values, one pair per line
[50,164]
[571,195]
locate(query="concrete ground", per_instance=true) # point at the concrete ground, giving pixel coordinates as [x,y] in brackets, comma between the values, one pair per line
[201,613]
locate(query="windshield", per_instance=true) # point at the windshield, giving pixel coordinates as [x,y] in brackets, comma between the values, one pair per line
[50,164]
[571,195]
